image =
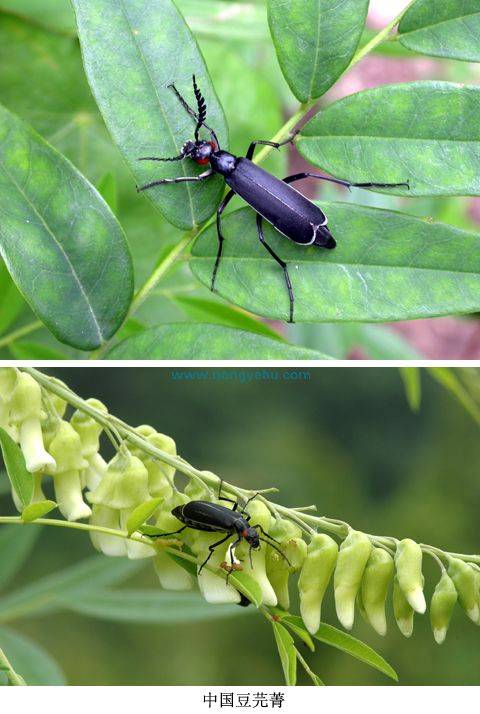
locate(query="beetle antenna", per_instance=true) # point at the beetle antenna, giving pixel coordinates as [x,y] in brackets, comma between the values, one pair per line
[275,548]
[157,158]
[198,117]
[202,107]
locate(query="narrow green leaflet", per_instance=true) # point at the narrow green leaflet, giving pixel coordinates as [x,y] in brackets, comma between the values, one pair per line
[426,133]
[287,652]
[150,607]
[449,380]
[20,478]
[74,582]
[203,341]
[297,628]
[52,14]
[450,28]
[30,660]
[248,586]
[198,309]
[11,302]
[413,389]
[141,513]
[341,640]
[387,266]
[37,510]
[132,51]
[16,544]
[315,41]
[61,244]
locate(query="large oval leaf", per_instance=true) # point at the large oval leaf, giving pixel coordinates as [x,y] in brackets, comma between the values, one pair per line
[443,29]
[60,241]
[315,41]
[387,266]
[206,342]
[426,133]
[132,50]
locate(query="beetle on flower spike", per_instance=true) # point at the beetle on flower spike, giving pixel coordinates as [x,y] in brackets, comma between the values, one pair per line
[274,200]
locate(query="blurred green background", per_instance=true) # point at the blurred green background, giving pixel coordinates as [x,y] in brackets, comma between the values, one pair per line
[344,439]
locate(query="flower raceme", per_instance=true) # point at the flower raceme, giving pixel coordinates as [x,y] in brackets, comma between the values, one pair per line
[134,493]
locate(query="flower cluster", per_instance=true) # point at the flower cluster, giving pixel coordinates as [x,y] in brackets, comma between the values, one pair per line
[136,487]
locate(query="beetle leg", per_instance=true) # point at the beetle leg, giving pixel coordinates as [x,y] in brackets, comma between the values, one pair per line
[281,263]
[220,210]
[275,144]
[232,562]
[180,179]
[308,174]
[211,548]
[163,535]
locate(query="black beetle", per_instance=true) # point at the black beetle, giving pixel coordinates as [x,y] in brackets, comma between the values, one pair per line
[280,204]
[214,518]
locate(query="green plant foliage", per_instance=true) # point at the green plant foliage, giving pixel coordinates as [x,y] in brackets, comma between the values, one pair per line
[287,652]
[446,29]
[387,266]
[53,14]
[20,478]
[35,664]
[15,547]
[150,35]
[11,301]
[204,341]
[72,252]
[430,127]
[37,510]
[315,41]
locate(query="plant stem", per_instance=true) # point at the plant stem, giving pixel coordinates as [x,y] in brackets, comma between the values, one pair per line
[21,332]
[15,679]
[212,481]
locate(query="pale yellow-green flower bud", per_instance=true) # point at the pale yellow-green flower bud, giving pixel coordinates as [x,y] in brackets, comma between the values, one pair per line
[170,574]
[8,378]
[408,564]
[65,448]
[317,570]
[26,414]
[124,485]
[441,607]
[166,521]
[464,578]
[352,559]
[213,587]
[88,428]
[260,515]
[402,610]
[291,543]
[375,582]
[107,518]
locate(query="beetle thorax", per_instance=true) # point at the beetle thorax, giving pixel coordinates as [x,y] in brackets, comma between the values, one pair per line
[222,162]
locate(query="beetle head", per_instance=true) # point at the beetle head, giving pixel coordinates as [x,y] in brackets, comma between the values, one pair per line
[200,151]
[251,536]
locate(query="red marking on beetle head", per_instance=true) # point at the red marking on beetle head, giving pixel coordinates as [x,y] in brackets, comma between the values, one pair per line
[202,162]
[244,534]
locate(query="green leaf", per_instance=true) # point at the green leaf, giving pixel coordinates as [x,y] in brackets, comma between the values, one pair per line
[449,380]
[37,510]
[198,309]
[30,660]
[20,478]
[187,565]
[60,241]
[202,341]
[16,545]
[151,607]
[299,629]
[342,641]
[447,29]
[287,652]
[142,513]
[11,301]
[107,188]
[315,41]
[150,35]
[387,266]
[73,582]
[35,350]
[52,14]
[413,388]
[248,586]
[431,138]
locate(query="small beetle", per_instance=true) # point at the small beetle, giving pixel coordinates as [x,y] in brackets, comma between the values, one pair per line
[214,518]
[280,204]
